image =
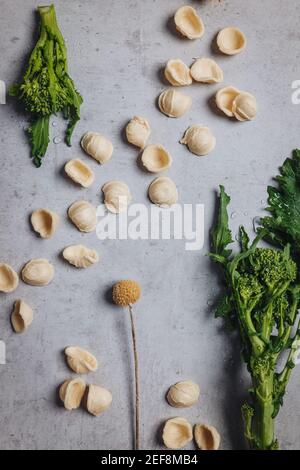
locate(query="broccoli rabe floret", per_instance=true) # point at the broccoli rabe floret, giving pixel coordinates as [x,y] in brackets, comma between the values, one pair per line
[249,287]
[271,267]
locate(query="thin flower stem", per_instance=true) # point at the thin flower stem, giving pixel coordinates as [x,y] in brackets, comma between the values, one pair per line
[137,382]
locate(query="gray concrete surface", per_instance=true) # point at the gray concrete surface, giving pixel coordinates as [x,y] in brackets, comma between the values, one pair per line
[116,51]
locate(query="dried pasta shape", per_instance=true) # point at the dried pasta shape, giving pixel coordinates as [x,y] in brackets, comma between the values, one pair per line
[177,73]
[80,360]
[206,71]
[244,107]
[138,131]
[231,40]
[199,140]
[9,279]
[80,256]
[188,22]
[177,432]
[84,215]
[97,146]
[155,158]
[173,103]
[116,196]
[207,437]
[38,272]
[163,192]
[99,399]
[71,393]
[79,172]
[225,98]
[22,316]
[44,222]
[183,394]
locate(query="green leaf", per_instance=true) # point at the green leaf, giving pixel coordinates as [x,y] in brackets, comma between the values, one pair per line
[72,112]
[14,90]
[243,239]
[283,225]
[225,307]
[226,310]
[38,133]
[220,234]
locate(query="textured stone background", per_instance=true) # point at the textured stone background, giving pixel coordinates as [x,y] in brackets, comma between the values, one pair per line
[116,51]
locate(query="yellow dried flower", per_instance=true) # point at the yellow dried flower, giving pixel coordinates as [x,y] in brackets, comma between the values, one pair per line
[126,292]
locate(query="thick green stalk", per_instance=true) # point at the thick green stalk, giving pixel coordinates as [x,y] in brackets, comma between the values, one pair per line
[49,23]
[262,420]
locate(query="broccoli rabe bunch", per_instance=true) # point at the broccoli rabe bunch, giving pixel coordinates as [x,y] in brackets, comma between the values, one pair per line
[47,88]
[261,302]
